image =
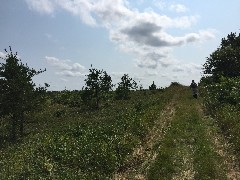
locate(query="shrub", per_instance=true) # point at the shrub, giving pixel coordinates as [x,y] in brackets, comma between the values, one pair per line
[125,86]
[18,93]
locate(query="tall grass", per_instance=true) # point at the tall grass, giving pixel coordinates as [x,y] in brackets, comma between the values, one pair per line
[77,144]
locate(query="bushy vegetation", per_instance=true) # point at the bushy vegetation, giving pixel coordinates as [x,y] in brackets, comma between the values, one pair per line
[89,145]
[225,91]
[84,134]
[98,84]
[221,87]
[125,86]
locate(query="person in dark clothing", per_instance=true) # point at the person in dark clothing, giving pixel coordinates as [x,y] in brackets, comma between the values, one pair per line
[194,89]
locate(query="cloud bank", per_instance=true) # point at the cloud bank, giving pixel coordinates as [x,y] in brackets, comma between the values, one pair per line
[142,33]
[65,67]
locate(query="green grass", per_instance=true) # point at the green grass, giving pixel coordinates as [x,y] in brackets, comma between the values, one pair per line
[65,142]
[186,146]
[77,144]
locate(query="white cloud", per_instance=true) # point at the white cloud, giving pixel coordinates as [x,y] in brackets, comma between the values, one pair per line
[151,73]
[163,5]
[64,68]
[189,68]
[49,36]
[166,62]
[78,67]
[68,73]
[160,4]
[208,34]
[164,75]
[143,34]
[81,8]
[3,55]
[193,68]
[59,64]
[41,6]
[112,13]
[178,69]
[64,80]
[184,21]
[151,60]
[178,8]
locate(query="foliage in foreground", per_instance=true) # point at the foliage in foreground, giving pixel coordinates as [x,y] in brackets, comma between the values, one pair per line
[221,89]
[225,91]
[92,149]
[222,102]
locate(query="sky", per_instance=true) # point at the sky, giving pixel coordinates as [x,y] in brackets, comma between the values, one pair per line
[150,40]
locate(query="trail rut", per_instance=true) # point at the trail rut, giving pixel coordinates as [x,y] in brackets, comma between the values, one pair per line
[185,164]
[144,155]
[222,147]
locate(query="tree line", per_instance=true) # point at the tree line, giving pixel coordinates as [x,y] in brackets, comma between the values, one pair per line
[20,95]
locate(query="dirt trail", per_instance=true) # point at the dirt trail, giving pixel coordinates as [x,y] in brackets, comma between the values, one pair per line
[222,147]
[143,155]
[187,170]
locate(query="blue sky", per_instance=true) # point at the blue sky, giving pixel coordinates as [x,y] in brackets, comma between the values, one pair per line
[151,40]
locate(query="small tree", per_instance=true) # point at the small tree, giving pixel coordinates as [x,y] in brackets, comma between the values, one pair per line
[98,84]
[225,61]
[153,86]
[125,86]
[18,94]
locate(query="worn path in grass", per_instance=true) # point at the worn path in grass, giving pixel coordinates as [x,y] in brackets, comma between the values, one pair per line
[144,154]
[183,144]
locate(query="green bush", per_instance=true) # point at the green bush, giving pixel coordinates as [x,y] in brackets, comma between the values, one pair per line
[227,118]
[222,101]
[226,91]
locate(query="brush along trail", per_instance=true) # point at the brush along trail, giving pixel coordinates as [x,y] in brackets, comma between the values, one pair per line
[183,144]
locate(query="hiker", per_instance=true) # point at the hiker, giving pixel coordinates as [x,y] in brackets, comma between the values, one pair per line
[194,89]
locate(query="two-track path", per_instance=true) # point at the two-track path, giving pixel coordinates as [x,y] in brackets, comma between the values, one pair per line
[183,144]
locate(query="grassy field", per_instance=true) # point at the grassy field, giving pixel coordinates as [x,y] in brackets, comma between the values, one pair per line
[154,135]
